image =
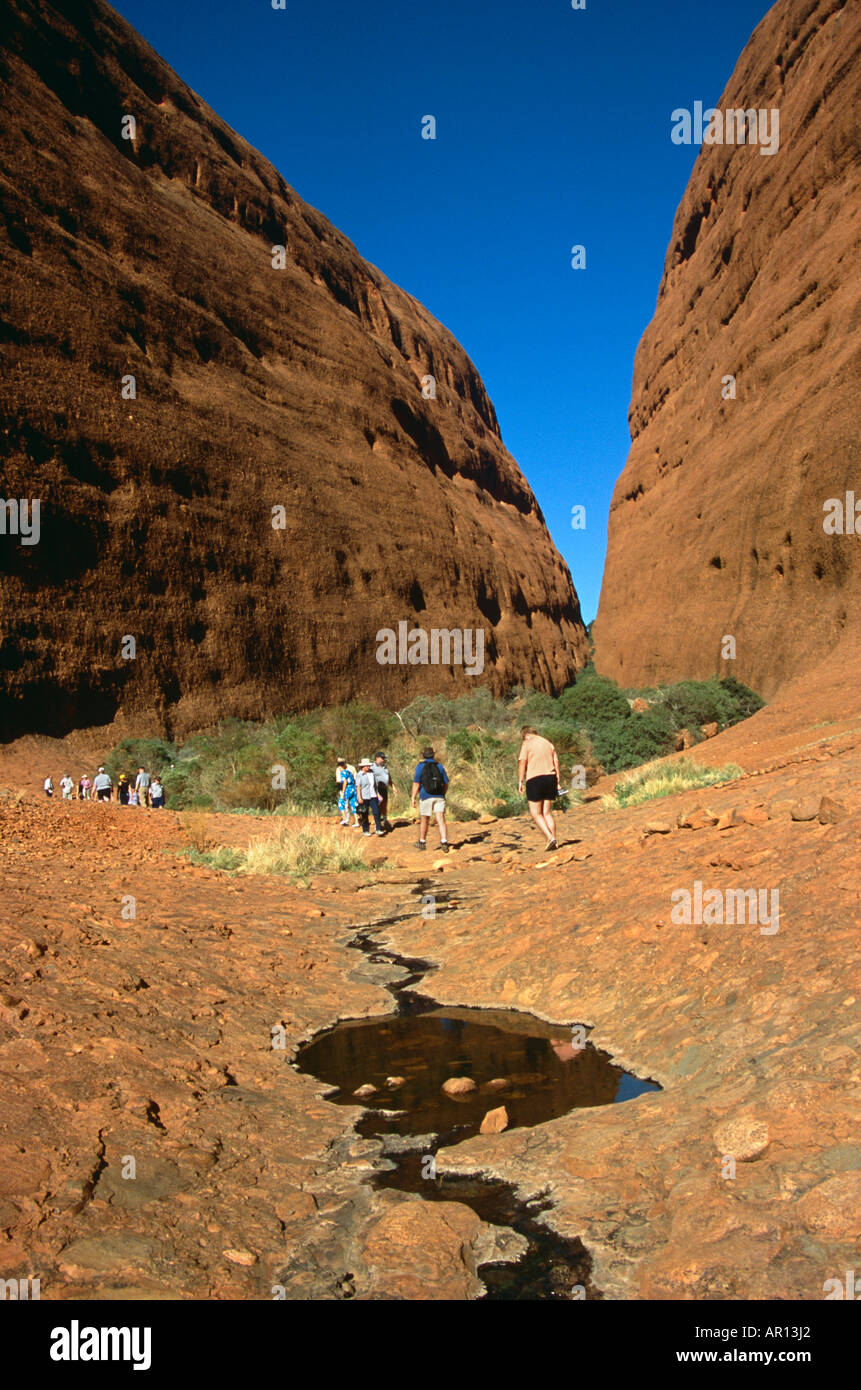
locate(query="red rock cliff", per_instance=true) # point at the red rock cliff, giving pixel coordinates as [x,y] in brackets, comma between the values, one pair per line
[716,523]
[256,388]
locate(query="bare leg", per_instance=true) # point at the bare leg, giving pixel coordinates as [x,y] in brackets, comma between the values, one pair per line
[424,822]
[549,821]
[443,828]
[536,811]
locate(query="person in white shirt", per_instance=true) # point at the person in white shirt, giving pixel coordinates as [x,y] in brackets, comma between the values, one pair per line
[366,786]
[384,782]
[67,787]
[102,785]
[49,787]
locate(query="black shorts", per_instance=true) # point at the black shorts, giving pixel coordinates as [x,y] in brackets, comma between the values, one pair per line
[542,788]
[104,793]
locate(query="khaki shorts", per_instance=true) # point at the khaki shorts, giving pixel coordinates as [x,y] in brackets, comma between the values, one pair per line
[432,806]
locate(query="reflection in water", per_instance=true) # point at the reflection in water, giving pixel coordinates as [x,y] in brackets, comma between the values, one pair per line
[540,1073]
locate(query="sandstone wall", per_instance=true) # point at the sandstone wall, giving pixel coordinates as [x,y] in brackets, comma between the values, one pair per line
[256,388]
[716,523]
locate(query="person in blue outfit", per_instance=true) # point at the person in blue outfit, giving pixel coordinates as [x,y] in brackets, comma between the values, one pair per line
[347,799]
[430,783]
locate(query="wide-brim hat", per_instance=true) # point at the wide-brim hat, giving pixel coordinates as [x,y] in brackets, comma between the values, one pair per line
[365,762]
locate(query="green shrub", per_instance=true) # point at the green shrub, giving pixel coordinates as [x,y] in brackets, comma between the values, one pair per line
[692,703]
[744,701]
[354,729]
[592,702]
[624,743]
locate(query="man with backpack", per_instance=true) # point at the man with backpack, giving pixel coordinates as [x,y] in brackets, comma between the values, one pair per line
[430,782]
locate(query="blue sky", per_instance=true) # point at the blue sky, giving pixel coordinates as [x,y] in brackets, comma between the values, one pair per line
[553,129]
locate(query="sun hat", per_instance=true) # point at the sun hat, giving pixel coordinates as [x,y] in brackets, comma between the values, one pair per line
[365,762]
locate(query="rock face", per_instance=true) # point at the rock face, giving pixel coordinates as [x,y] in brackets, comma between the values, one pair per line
[716,523]
[255,388]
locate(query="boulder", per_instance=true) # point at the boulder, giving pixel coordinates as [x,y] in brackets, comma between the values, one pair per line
[363,1091]
[807,809]
[459,1086]
[709,730]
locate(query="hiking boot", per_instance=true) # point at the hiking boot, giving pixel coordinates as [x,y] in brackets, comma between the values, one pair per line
[421,844]
[381,832]
[445,846]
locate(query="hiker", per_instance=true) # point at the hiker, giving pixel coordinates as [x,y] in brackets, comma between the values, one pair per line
[383,779]
[48,787]
[157,793]
[430,783]
[142,782]
[538,771]
[123,787]
[67,787]
[345,778]
[102,785]
[366,787]
[85,786]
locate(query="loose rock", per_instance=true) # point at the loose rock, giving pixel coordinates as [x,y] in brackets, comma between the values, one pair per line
[743,1139]
[495,1121]
[459,1085]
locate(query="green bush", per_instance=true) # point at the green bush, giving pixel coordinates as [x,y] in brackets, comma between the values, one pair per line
[538,708]
[595,701]
[624,743]
[354,729]
[692,703]
[721,702]
[745,701]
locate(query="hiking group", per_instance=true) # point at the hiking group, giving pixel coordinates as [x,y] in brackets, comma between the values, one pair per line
[364,791]
[145,790]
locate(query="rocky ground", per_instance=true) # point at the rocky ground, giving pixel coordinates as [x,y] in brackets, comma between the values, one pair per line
[149,1039]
